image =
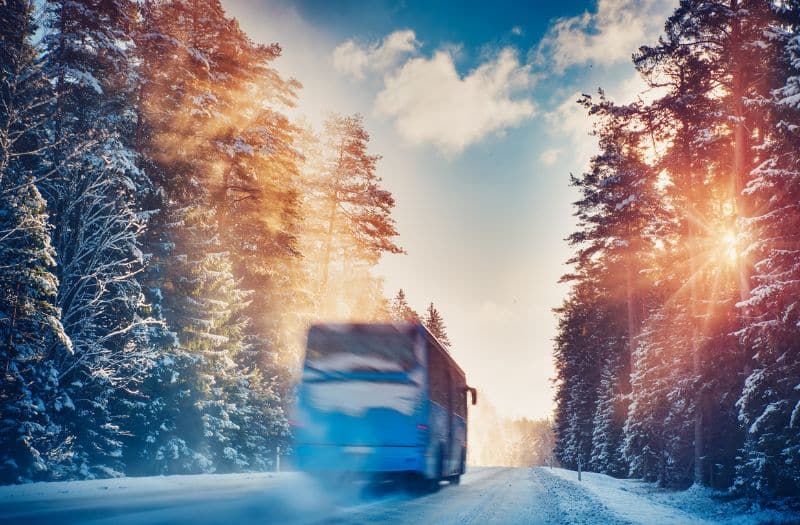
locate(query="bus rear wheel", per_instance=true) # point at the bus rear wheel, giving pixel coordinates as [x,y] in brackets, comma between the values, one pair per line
[456,479]
[433,483]
[421,484]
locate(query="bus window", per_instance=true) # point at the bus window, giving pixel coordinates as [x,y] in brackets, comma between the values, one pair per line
[358,348]
[460,396]
[438,372]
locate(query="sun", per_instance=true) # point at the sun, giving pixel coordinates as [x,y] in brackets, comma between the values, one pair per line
[729,245]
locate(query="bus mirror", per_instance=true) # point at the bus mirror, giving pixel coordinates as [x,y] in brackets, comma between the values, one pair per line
[474,394]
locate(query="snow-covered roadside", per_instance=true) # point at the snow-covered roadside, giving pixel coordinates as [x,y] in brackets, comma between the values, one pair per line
[197,499]
[640,502]
[133,486]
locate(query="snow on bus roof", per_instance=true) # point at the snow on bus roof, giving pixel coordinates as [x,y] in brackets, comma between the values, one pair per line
[399,327]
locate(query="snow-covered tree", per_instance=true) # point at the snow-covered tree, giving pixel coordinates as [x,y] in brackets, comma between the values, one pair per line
[609,416]
[32,339]
[151,182]
[769,408]
[662,222]
[97,226]
[223,199]
[618,215]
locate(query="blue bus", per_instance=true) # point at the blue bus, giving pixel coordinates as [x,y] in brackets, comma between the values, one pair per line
[381,399]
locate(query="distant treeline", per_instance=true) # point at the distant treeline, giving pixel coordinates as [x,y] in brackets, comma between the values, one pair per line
[678,351]
[495,440]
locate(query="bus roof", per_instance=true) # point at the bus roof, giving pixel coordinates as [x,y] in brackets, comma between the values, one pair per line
[398,327]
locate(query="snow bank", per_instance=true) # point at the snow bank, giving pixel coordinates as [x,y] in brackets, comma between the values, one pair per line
[138,486]
[286,497]
[640,502]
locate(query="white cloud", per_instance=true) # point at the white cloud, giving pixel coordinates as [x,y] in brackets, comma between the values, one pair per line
[550,156]
[431,103]
[570,122]
[633,88]
[606,36]
[355,59]
[516,30]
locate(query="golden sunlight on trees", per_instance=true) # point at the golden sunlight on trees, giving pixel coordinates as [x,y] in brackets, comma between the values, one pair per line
[187,230]
[681,320]
[354,226]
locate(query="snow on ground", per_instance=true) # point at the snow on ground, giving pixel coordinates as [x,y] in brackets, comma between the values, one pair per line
[197,499]
[136,487]
[486,496]
[637,501]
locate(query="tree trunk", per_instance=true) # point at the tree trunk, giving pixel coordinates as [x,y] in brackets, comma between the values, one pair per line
[741,144]
[741,150]
[326,260]
[141,96]
[11,326]
[696,360]
[632,310]
[61,77]
[694,346]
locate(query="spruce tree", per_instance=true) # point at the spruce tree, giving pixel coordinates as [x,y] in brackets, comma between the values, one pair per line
[210,236]
[769,407]
[618,215]
[609,415]
[434,322]
[691,62]
[32,339]
[399,309]
[358,227]
[97,227]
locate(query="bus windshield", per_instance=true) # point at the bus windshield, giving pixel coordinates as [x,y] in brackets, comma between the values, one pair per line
[354,348]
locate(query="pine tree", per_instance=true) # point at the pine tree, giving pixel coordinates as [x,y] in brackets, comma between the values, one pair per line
[400,311]
[609,416]
[618,215]
[584,321]
[434,322]
[662,221]
[214,232]
[693,62]
[358,226]
[769,407]
[32,339]
[97,227]
[193,416]
[658,441]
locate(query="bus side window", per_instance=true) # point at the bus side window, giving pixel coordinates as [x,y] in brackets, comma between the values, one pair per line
[437,371]
[460,396]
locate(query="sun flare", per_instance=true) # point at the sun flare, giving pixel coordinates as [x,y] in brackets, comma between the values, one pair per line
[729,246]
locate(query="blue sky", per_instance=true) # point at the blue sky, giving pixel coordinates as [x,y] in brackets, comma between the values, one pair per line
[472,106]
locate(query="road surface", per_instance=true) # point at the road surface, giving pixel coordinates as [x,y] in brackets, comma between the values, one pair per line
[485,496]
[489,495]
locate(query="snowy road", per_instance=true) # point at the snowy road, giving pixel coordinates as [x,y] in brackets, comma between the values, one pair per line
[486,495]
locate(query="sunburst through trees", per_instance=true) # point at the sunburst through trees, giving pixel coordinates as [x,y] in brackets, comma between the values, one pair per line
[677,344]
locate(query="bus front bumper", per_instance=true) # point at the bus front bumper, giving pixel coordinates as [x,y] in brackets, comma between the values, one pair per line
[357,458]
